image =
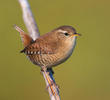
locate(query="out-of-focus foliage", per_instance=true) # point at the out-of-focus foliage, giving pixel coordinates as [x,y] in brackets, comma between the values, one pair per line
[85,76]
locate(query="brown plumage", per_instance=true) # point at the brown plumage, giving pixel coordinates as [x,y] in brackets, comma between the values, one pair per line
[50,49]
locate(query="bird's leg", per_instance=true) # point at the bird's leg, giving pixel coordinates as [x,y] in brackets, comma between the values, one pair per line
[50,70]
[44,69]
[48,78]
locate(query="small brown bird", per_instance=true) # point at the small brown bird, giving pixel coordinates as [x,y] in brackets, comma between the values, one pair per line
[50,49]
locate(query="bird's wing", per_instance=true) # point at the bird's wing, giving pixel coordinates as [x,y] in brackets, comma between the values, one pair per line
[40,47]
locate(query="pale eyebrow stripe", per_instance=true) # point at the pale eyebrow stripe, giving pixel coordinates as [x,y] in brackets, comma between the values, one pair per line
[62,31]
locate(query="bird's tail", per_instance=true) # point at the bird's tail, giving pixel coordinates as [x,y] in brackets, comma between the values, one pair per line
[26,39]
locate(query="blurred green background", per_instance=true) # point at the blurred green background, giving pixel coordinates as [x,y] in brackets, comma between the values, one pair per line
[85,76]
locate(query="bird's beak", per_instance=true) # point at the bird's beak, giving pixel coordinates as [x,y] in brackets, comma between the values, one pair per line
[76,34]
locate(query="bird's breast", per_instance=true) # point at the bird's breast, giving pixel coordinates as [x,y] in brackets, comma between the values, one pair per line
[65,51]
[49,60]
[68,49]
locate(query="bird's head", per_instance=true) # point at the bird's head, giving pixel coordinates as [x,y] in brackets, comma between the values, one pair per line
[66,33]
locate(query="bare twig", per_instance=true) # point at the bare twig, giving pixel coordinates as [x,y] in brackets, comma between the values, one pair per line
[29,19]
[33,31]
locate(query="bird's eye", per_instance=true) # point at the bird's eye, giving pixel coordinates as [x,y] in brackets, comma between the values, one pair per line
[66,34]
